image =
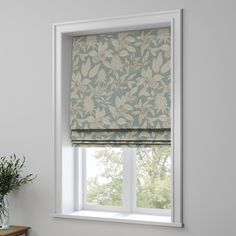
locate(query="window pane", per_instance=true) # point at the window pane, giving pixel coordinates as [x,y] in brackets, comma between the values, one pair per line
[104,176]
[153,177]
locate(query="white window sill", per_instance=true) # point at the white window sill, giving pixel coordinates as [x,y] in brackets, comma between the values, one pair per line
[120,217]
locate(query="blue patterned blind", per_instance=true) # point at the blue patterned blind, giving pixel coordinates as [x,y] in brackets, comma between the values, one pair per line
[120,88]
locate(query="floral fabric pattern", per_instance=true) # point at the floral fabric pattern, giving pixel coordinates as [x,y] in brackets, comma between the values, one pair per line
[121,82]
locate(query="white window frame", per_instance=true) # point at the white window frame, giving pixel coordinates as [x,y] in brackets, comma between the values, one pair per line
[129,187]
[66,190]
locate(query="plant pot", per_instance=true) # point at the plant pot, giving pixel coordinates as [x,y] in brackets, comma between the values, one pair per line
[4,212]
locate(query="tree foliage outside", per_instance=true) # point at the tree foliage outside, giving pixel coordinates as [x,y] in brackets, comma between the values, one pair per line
[153,184]
[106,187]
[153,178]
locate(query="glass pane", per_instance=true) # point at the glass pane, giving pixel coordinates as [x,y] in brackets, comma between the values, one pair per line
[104,176]
[153,177]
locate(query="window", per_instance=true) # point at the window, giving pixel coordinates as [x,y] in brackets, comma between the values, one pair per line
[130,180]
[118,143]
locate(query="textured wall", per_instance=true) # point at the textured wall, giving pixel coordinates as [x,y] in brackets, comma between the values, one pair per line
[209,111]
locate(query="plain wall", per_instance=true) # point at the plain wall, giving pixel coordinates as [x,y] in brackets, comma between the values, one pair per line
[26,108]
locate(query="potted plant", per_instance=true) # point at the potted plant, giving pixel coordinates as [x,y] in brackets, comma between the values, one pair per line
[11,179]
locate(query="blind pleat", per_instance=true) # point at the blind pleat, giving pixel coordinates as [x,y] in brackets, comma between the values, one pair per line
[120,137]
[120,89]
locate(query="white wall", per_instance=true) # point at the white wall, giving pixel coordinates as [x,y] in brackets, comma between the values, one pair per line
[209,111]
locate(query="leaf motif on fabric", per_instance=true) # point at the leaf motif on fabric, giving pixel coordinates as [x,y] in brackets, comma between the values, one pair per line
[115,43]
[94,70]
[101,75]
[123,53]
[166,67]
[121,121]
[130,39]
[86,67]
[157,62]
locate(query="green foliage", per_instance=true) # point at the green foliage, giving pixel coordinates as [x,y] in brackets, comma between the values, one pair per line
[153,182]
[11,179]
[153,177]
[106,188]
[11,174]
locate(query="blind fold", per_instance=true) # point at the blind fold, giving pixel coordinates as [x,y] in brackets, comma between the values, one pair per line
[120,137]
[120,88]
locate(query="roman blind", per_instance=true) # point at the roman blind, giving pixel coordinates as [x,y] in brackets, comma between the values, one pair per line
[121,88]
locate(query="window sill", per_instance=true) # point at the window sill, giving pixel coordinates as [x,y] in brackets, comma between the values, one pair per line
[120,217]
